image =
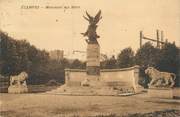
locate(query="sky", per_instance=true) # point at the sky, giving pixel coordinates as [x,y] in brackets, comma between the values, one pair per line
[60,28]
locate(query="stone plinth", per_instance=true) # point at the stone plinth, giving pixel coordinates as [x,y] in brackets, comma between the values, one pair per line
[176,92]
[160,93]
[93,59]
[18,89]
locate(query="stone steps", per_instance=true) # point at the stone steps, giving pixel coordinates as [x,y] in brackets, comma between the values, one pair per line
[86,91]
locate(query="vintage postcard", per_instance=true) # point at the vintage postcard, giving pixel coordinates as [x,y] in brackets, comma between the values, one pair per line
[89,58]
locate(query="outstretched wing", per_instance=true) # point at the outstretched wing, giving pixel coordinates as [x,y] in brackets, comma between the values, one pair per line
[90,17]
[86,18]
[97,17]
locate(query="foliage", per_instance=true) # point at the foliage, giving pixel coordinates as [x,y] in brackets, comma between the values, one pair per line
[147,55]
[18,55]
[109,63]
[77,64]
[164,59]
[125,58]
[170,60]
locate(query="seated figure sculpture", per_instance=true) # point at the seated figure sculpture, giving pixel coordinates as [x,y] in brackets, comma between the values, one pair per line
[160,79]
[18,83]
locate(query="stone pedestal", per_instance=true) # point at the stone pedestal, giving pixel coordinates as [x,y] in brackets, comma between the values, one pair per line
[137,88]
[18,89]
[160,93]
[93,59]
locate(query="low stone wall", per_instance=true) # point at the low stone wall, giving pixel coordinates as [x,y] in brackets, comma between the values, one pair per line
[123,77]
[73,77]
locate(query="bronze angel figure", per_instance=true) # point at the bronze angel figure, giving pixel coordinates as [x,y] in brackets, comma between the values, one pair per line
[91,31]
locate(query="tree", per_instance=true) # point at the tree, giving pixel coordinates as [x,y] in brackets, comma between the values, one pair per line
[77,64]
[65,63]
[146,56]
[169,58]
[169,61]
[18,55]
[125,58]
[9,56]
[109,63]
[165,59]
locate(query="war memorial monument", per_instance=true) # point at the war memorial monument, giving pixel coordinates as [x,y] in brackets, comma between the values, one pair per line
[94,91]
[96,81]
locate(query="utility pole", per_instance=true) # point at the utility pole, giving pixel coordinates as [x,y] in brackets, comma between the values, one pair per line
[157,34]
[157,41]
[162,38]
[141,37]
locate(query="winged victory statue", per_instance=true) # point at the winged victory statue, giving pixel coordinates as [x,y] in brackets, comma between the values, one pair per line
[91,31]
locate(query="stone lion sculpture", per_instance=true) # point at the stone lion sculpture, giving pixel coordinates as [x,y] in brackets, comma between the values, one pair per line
[19,79]
[160,79]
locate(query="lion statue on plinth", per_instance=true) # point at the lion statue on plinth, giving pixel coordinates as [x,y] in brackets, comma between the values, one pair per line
[18,83]
[19,79]
[160,79]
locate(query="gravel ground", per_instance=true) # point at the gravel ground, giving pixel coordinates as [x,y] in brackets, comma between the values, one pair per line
[46,105]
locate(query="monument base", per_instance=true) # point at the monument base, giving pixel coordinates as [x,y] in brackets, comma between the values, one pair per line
[17,89]
[160,93]
[91,81]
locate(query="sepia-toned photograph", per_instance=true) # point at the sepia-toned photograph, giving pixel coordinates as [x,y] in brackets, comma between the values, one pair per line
[89,58]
